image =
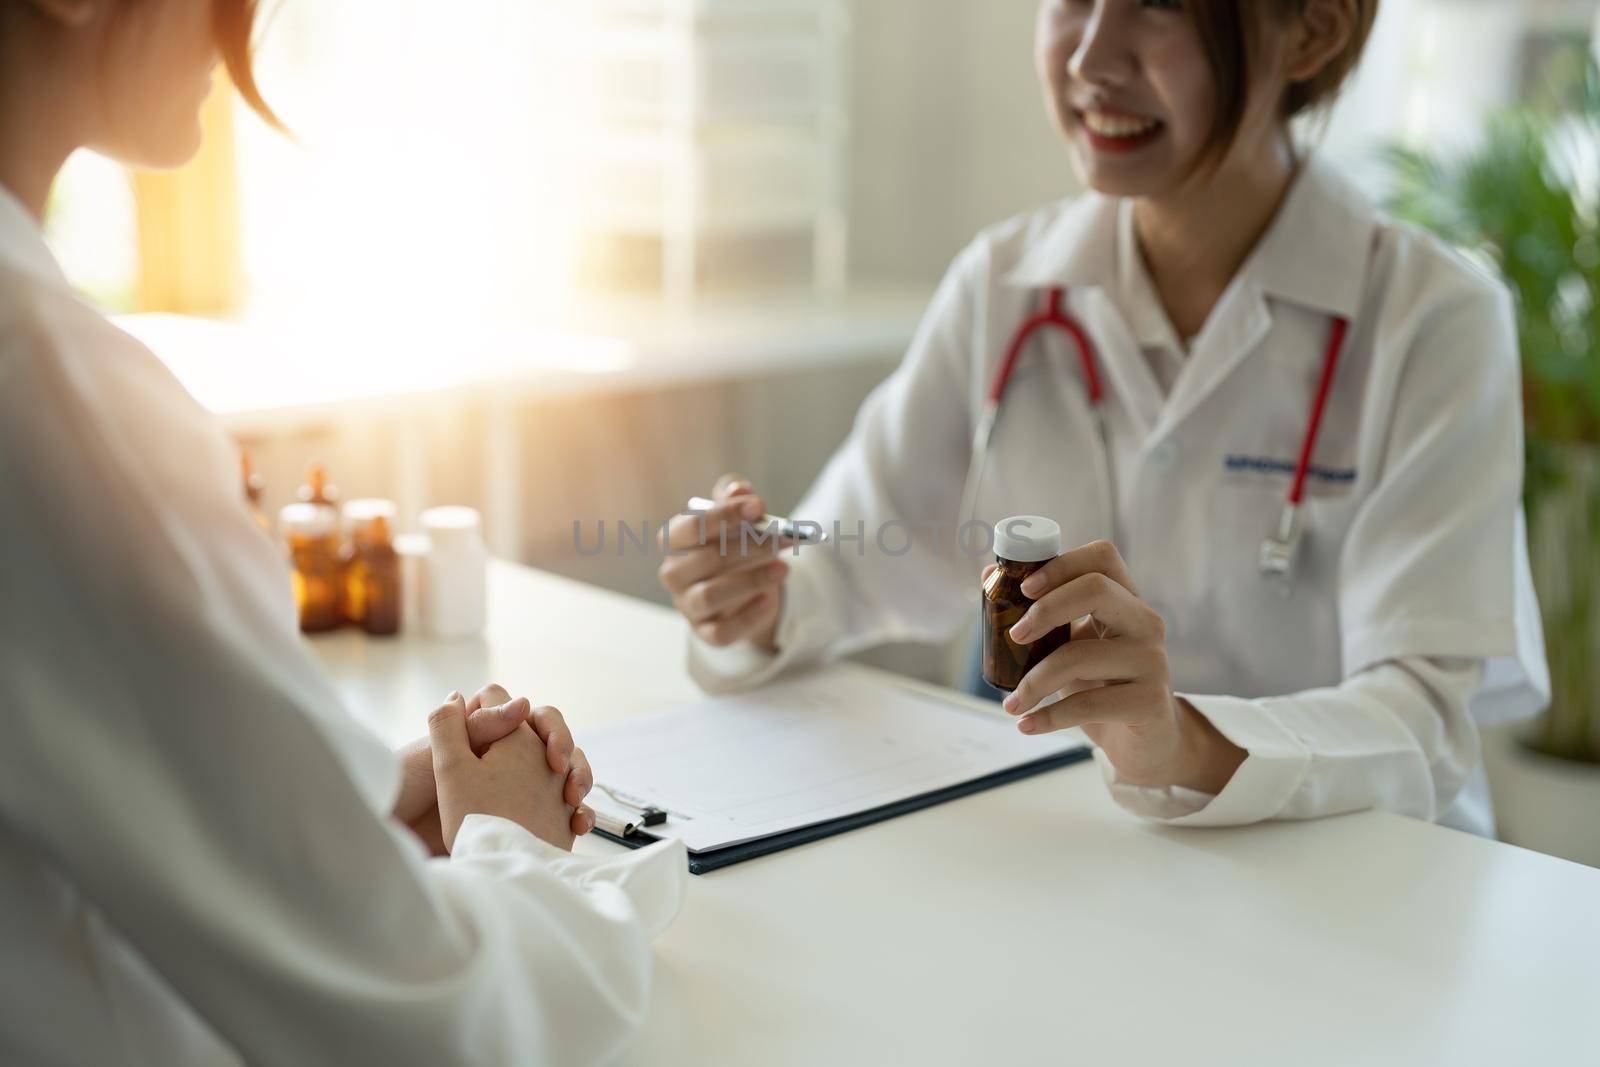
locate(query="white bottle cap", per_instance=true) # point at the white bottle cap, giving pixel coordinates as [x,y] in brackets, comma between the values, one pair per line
[451,525]
[413,551]
[1027,539]
[412,546]
[366,509]
[308,520]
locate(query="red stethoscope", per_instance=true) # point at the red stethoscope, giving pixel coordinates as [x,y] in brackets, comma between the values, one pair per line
[1277,556]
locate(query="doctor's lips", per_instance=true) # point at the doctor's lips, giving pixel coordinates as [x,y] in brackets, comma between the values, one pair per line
[1109,130]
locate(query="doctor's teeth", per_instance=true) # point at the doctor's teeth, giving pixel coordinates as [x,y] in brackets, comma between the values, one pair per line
[1107,126]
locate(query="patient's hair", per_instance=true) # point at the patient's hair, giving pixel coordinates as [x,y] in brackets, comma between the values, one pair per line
[234,22]
[1230,31]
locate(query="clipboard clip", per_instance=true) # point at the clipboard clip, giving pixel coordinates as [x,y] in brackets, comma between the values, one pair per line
[648,814]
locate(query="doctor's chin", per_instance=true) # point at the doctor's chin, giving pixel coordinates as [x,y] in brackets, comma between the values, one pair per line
[793,532]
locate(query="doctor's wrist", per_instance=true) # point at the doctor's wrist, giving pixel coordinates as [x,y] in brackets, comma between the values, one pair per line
[1206,759]
[766,638]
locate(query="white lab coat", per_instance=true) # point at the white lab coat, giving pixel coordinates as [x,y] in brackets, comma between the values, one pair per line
[1412,603]
[197,863]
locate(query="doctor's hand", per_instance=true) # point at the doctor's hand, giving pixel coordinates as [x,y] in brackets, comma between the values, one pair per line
[1114,676]
[491,715]
[512,779]
[729,597]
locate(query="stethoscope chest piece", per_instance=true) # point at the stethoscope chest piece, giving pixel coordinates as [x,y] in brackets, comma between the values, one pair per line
[1280,553]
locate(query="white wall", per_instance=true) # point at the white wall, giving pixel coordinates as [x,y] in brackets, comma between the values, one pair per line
[950,132]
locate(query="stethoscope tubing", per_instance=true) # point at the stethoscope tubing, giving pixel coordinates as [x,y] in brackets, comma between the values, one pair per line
[1054,316]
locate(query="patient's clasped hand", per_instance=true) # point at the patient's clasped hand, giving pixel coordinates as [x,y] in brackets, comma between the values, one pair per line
[494,755]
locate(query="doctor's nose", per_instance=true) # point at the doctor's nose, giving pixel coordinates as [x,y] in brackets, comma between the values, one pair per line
[1101,56]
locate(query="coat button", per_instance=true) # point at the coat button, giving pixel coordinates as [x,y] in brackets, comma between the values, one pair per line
[1164,455]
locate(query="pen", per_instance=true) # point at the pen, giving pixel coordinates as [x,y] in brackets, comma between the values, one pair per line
[613,825]
[787,529]
[649,814]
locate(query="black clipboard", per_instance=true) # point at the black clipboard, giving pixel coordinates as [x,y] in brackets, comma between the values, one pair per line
[716,859]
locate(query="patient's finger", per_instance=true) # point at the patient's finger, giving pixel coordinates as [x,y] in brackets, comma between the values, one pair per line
[487,725]
[552,729]
[490,696]
[580,779]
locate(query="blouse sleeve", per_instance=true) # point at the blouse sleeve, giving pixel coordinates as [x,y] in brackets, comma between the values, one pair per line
[174,752]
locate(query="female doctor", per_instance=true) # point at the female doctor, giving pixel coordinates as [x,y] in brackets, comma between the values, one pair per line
[1260,635]
[203,859]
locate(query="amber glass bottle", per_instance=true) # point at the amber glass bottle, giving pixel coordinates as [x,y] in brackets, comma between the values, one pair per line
[371,568]
[1022,545]
[318,490]
[311,532]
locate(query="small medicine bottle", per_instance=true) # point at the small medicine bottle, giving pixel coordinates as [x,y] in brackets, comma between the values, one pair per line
[254,486]
[1022,544]
[371,567]
[455,573]
[318,490]
[311,532]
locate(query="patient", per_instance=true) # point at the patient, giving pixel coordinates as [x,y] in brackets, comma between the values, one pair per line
[202,858]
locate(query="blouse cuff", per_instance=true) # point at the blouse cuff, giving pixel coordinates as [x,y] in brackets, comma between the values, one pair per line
[651,879]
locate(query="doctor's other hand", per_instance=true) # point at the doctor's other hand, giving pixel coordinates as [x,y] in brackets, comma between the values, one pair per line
[511,780]
[727,596]
[1114,676]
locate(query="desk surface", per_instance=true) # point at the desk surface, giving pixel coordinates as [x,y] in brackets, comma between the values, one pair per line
[1038,922]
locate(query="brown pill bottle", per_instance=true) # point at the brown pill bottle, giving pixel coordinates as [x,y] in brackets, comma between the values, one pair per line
[311,532]
[318,490]
[371,567]
[1022,544]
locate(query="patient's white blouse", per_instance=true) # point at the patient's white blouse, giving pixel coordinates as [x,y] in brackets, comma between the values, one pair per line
[197,863]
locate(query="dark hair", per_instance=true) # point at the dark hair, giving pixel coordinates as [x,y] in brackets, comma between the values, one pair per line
[233,22]
[1230,32]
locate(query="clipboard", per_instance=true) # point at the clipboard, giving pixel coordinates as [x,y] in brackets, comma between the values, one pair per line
[716,859]
[745,774]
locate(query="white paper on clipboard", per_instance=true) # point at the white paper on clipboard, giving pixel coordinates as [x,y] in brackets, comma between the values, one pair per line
[820,746]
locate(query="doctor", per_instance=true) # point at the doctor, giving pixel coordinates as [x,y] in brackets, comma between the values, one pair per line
[1224,279]
[203,858]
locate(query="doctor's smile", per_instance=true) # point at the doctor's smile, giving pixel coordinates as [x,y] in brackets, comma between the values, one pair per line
[1190,496]
[1117,132]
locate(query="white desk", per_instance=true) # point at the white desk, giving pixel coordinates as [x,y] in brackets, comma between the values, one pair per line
[1037,923]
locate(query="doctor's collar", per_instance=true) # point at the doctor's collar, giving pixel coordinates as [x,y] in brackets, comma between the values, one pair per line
[1314,254]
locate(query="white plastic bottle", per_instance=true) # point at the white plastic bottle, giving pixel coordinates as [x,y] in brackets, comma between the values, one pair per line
[454,598]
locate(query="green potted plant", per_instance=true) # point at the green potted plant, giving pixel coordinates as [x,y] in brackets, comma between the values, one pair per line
[1525,201]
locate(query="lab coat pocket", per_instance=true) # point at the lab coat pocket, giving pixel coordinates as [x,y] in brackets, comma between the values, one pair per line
[1246,468]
